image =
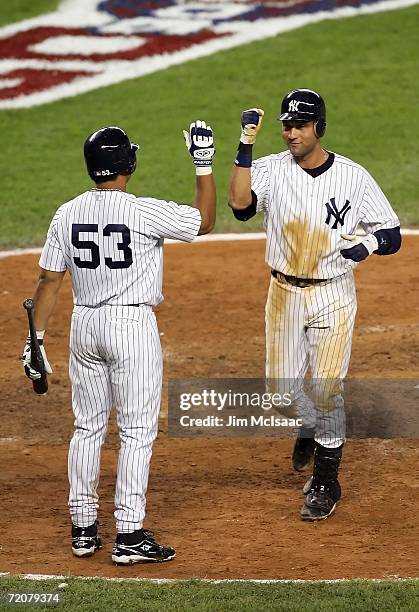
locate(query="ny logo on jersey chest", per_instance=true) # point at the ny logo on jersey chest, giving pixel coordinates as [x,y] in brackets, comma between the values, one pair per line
[338,215]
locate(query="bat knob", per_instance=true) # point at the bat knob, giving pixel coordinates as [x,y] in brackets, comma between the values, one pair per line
[28,304]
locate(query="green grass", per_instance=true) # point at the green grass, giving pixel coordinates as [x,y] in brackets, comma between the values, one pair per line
[16,10]
[96,594]
[366,67]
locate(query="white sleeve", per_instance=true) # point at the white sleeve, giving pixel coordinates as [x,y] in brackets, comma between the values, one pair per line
[260,183]
[170,220]
[376,211]
[52,256]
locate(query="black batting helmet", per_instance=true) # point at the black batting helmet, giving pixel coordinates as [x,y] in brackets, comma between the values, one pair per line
[109,152]
[304,105]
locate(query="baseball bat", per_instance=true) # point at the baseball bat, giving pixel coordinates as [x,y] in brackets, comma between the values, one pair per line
[40,385]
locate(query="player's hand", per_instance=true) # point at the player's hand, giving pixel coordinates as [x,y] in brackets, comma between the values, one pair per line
[200,143]
[251,122]
[362,246]
[26,358]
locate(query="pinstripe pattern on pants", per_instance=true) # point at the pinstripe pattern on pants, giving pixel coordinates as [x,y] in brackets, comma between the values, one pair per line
[115,359]
[311,329]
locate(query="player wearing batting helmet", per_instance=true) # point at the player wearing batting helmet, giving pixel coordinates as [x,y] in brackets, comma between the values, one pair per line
[111,242]
[323,214]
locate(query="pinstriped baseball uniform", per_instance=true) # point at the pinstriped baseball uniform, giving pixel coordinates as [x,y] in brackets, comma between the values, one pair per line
[111,242]
[311,327]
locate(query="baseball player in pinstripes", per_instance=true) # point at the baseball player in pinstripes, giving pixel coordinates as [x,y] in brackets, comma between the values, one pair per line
[111,242]
[323,214]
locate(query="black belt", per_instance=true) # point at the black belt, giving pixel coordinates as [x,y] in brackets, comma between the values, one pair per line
[297,282]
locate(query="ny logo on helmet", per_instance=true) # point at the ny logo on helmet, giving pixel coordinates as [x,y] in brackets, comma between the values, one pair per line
[339,215]
[293,106]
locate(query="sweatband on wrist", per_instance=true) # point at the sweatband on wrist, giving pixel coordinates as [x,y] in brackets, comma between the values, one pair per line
[244,155]
[39,334]
[370,243]
[203,170]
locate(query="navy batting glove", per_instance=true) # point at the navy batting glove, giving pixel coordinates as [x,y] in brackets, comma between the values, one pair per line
[200,143]
[251,122]
[250,116]
[356,253]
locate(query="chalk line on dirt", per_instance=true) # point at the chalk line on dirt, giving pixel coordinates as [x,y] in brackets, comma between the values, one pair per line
[207,580]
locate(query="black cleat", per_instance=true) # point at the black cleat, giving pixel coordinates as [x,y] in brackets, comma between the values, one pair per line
[303,452]
[322,491]
[320,503]
[140,547]
[85,540]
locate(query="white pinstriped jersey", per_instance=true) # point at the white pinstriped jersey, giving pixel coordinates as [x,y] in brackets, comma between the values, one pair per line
[304,217]
[111,242]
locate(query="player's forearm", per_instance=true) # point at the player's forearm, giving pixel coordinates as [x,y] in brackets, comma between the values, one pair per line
[240,194]
[205,202]
[45,297]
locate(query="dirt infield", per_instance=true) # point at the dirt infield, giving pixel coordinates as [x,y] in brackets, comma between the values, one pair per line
[230,507]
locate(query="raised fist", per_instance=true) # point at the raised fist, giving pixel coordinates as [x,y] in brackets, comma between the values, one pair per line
[251,122]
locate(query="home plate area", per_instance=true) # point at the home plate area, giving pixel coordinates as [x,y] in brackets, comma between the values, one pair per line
[229,505]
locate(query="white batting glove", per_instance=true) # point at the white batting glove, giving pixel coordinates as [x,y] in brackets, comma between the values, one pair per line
[200,143]
[369,241]
[251,122]
[26,357]
[361,246]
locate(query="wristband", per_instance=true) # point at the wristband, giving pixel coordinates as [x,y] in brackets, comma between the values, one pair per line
[39,334]
[203,170]
[244,155]
[370,243]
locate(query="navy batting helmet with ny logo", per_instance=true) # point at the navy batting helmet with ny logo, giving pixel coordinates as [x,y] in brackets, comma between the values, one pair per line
[305,105]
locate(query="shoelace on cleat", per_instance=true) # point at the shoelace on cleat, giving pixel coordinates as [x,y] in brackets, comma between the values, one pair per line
[83,539]
[150,538]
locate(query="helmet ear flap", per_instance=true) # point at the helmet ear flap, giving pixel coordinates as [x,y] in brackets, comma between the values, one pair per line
[126,159]
[319,127]
[109,152]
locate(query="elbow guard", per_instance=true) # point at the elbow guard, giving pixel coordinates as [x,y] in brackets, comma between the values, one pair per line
[245,214]
[389,241]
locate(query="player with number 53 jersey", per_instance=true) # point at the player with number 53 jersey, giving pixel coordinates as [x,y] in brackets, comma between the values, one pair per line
[111,243]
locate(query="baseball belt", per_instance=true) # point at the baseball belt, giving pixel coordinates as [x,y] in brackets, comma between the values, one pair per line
[298,282]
